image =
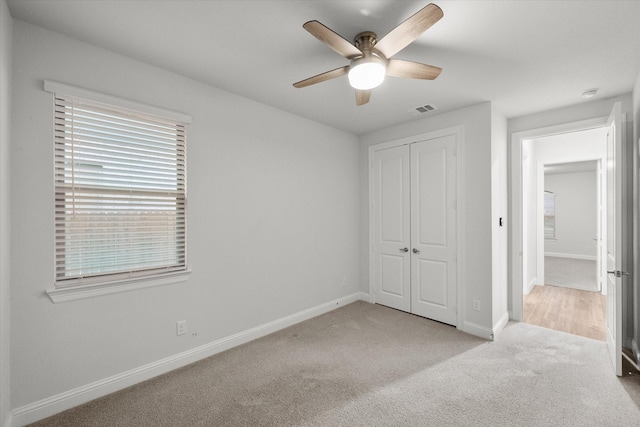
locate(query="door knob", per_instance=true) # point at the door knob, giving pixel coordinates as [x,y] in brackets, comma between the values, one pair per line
[404,250]
[416,251]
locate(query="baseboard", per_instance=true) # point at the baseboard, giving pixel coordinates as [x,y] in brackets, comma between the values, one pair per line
[500,324]
[477,330]
[572,256]
[530,286]
[636,350]
[63,401]
[486,333]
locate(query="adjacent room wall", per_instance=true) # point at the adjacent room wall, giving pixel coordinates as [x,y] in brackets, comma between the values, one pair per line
[5,220]
[273,215]
[475,205]
[576,215]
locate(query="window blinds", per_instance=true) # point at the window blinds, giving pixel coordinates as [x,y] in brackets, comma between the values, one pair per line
[120,192]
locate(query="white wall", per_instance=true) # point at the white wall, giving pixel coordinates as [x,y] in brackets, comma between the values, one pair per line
[5,221]
[475,205]
[576,214]
[499,209]
[273,215]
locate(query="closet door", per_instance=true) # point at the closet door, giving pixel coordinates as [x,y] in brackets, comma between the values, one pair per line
[433,229]
[391,217]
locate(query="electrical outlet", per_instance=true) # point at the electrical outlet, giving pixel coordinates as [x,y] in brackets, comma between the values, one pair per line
[181,327]
[476,305]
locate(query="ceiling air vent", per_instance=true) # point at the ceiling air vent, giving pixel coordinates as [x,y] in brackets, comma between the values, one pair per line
[422,109]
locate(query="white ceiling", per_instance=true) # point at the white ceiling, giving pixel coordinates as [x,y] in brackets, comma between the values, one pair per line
[525,56]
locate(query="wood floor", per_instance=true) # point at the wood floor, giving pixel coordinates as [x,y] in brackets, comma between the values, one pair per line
[568,310]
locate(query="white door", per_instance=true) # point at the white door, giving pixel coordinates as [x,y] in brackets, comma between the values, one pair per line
[414,228]
[614,237]
[433,229]
[391,206]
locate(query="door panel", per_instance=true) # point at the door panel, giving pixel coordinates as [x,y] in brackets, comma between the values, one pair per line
[430,176]
[392,274]
[391,209]
[614,237]
[433,283]
[433,220]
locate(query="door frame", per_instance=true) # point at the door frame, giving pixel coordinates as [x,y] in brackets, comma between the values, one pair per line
[458,132]
[516,201]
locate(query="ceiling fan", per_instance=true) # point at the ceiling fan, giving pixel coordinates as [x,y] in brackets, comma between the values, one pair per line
[371,59]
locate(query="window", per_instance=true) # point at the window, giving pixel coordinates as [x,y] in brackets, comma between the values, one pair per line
[120,193]
[549,215]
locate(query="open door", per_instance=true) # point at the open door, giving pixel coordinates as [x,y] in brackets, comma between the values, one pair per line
[615,216]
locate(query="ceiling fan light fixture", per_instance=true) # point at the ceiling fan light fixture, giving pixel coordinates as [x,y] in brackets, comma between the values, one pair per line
[367,73]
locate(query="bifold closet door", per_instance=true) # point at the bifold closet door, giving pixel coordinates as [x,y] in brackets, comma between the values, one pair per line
[414,228]
[433,229]
[391,205]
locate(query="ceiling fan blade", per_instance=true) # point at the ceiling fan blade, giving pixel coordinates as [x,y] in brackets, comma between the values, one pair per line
[412,70]
[362,96]
[328,75]
[332,39]
[409,30]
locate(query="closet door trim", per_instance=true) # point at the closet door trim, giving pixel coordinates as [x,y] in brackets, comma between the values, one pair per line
[458,132]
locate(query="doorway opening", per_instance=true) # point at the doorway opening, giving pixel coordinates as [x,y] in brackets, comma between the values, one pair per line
[562,228]
[568,295]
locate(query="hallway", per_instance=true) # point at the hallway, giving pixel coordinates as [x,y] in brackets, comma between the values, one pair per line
[569,310]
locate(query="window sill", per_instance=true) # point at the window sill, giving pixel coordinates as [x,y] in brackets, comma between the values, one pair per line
[89,291]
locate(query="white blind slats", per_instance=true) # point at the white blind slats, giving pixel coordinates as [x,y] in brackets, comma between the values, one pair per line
[95,109]
[120,201]
[99,145]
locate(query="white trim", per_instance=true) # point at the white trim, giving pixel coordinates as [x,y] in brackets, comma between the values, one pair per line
[572,256]
[477,330]
[500,324]
[530,285]
[65,89]
[73,293]
[52,405]
[515,256]
[635,349]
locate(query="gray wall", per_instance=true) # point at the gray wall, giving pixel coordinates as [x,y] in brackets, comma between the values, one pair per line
[5,224]
[499,209]
[576,214]
[273,217]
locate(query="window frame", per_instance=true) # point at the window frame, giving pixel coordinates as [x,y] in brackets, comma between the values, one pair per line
[552,195]
[108,283]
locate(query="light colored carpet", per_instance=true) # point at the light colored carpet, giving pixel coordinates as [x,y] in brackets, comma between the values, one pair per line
[368,365]
[571,273]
